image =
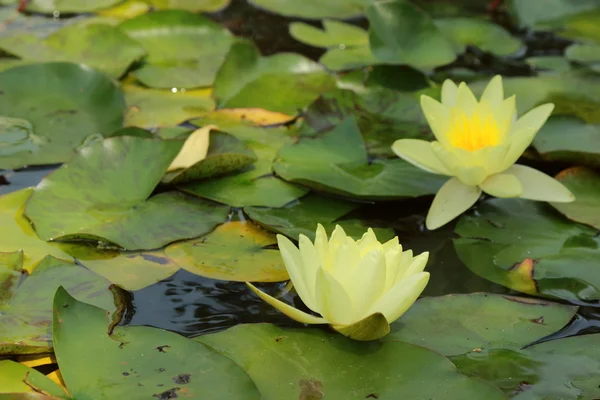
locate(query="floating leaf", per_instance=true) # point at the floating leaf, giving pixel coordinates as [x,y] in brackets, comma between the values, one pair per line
[253,116]
[314,364]
[401,33]
[235,251]
[314,9]
[185,50]
[77,102]
[193,151]
[585,185]
[304,214]
[112,53]
[524,244]
[101,195]
[191,5]
[68,6]
[138,361]
[151,108]
[284,82]
[26,307]
[16,136]
[337,162]
[479,322]
[564,369]
[17,378]
[125,10]
[529,13]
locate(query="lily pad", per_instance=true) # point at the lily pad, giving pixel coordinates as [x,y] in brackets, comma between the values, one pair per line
[69,6]
[138,361]
[190,5]
[524,245]
[102,194]
[586,54]
[529,13]
[314,9]
[564,369]
[479,322]
[112,53]
[569,139]
[18,379]
[401,33]
[16,136]
[302,217]
[585,185]
[285,82]
[337,162]
[487,36]
[26,307]
[235,251]
[77,102]
[151,108]
[314,364]
[185,50]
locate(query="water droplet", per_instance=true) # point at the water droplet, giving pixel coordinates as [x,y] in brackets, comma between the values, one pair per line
[56,14]
[174,90]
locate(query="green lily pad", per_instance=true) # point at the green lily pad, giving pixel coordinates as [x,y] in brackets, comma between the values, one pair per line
[152,108]
[302,217]
[225,154]
[77,102]
[19,379]
[401,33]
[587,54]
[529,13]
[462,323]
[337,162]
[102,194]
[190,5]
[564,369]
[69,6]
[284,82]
[112,53]
[314,364]
[382,115]
[314,9]
[16,136]
[525,246]
[138,361]
[26,307]
[569,139]
[185,50]
[235,251]
[585,185]
[549,64]
[487,36]
[347,45]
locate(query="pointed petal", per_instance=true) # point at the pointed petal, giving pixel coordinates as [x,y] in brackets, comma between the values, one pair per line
[370,279]
[494,92]
[453,198]
[449,92]
[345,260]
[539,186]
[465,99]
[401,296]
[392,244]
[334,302]
[288,310]
[502,185]
[493,157]
[438,117]
[372,327]
[321,243]
[293,264]
[417,266]
[524,130]
[310,264]
[420,154]
[505,115]
[471,176]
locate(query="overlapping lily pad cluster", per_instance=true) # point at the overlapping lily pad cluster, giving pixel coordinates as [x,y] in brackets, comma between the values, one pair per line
[172,141]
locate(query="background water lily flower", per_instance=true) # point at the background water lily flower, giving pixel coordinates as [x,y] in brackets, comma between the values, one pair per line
[358,287]
[478,143]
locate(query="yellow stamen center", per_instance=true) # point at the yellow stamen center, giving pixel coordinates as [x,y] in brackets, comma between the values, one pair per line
[474,132]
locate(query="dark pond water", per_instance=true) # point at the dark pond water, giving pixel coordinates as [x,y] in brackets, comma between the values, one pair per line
[193,305]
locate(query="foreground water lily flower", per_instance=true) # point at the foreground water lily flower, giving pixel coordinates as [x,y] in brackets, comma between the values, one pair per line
[358,287]
[478,143]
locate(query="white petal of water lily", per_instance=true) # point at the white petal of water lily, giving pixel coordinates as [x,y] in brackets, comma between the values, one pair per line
[288,310]
[438,117]
[310,264]
[524,130]
[396,271]
[293,264]
[392,244]
[493,157]
[453,198]
[539,186]
[420,154]
[471,176]
[338,237]
[502,185]
[505,115]
[346,259]
[370,280]
[322,244]
[401,296]
[417,266]
[493,92]
[465,99]
[447,158]
[449,91]
[334,303]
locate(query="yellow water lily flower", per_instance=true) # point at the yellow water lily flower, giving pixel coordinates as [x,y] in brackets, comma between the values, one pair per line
[358,287]
[478,143]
